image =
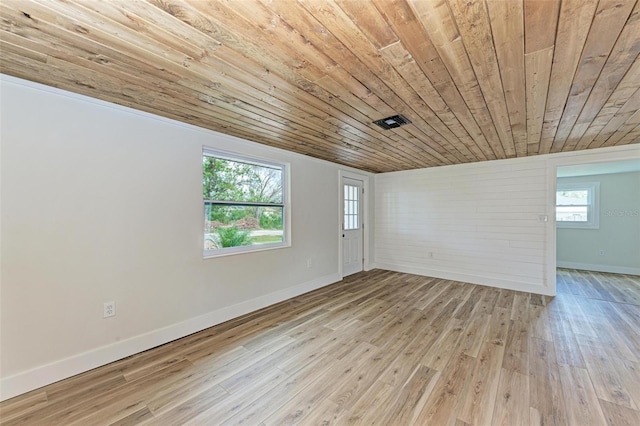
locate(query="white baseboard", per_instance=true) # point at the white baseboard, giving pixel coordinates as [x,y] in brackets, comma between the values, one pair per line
[598,268]
[46,374]
[473,279]
[370,266]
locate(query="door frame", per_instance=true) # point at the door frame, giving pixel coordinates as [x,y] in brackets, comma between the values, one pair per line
[591,156]
[366,217]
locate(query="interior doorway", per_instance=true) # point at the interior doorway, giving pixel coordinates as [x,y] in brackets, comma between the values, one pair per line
[597,211]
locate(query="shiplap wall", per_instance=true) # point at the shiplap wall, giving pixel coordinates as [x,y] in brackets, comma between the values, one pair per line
[481,222]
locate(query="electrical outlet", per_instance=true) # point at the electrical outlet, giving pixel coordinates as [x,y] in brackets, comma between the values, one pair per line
[601,252]
[109,309]
[309,263]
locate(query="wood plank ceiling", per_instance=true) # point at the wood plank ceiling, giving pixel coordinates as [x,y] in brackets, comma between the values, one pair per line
[479,80]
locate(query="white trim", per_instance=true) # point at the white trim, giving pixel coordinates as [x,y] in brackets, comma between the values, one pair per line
[241,158]
[46,374]
[214,254]
[467,278]
[550,234]
[599,268]
[366,217]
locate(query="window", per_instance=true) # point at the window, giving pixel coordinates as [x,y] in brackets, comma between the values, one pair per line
[245,204]
[351,203]
[577,205]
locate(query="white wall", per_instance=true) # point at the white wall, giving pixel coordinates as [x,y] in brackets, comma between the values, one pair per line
[481,221]
[618,235]
[100,202]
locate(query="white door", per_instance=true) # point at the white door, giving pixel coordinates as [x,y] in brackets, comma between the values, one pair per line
[352,238]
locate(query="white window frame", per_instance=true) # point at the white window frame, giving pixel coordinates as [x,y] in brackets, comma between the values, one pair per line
[593,204]
[286,228]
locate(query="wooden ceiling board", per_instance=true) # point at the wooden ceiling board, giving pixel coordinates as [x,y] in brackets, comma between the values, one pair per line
[608,22]
[628,133]
[632,137]
[391,86]
[478,79]
[541,22]
[595,136]
[621,117]
[620,59]
[574,22]
[538,72]
[417,45]
[507,26]
[362,73]
[540,25]
[378,90]
[472,18]
[438,22]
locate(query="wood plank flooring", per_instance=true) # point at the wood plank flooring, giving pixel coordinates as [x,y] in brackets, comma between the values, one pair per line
[381,348]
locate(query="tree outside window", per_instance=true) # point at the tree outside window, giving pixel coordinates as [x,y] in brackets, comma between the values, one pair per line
[244,203]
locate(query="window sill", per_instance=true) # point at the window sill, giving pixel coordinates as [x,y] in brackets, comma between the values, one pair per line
[569,225]
[212,254]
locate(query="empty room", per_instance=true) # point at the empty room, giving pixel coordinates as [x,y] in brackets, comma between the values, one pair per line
[313,212]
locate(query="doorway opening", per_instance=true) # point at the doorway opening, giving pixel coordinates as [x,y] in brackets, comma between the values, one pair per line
[597,229]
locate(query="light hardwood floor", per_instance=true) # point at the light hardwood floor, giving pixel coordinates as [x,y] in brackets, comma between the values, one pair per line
[381,348]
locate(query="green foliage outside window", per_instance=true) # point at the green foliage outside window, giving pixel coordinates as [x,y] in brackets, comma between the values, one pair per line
[234,237]
[231,224]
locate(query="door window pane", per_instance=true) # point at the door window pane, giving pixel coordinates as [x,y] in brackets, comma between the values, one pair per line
[351,212]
